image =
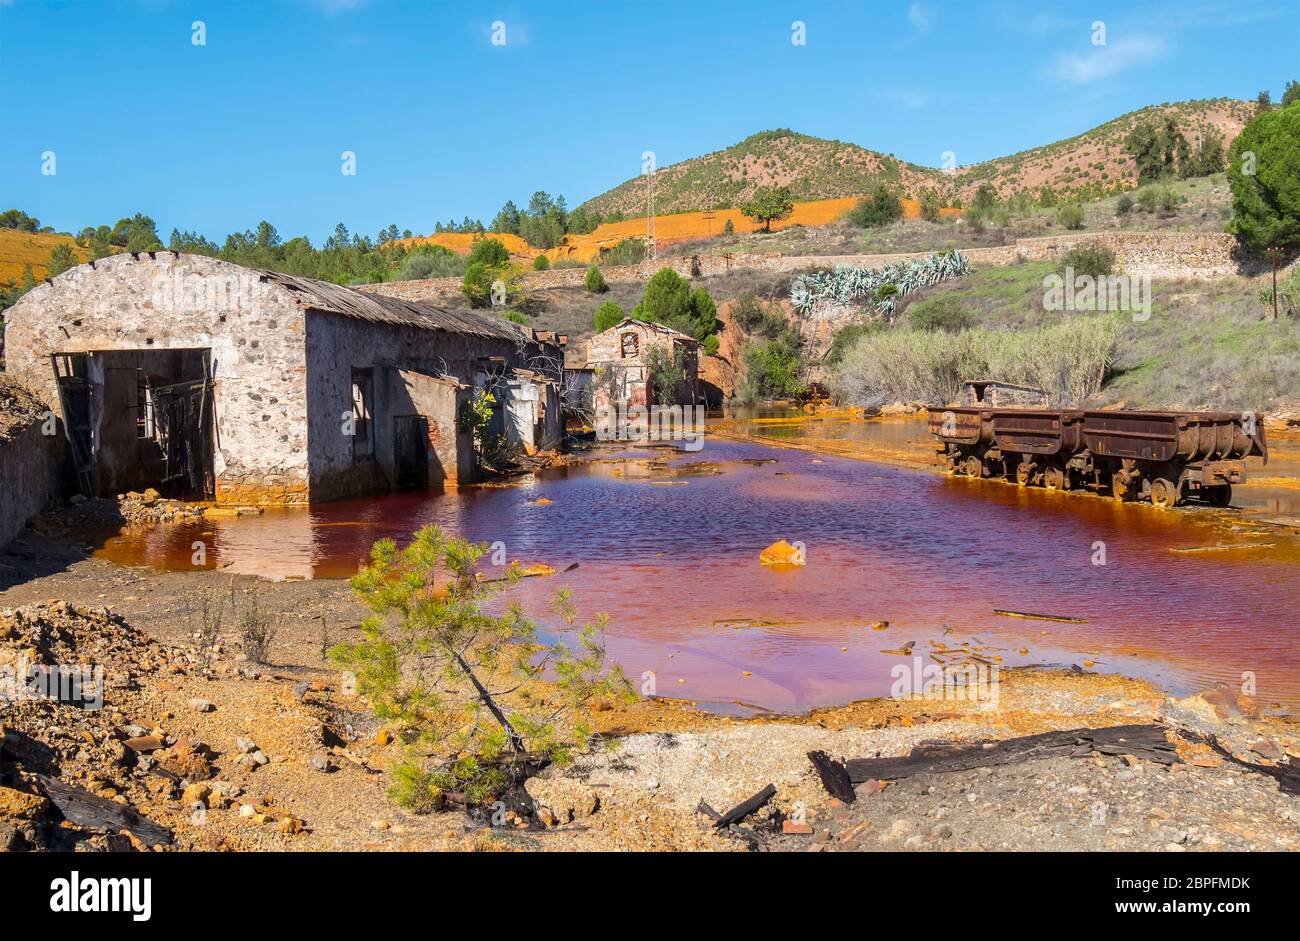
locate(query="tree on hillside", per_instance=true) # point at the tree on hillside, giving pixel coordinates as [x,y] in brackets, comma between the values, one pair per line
[608,314]
[489,252]
[61,259]
[1208,157]
[1291,95]
[1264,174]
[453,677]
[930,205]
[546,221]
[879,207]
[1156,147]
[669,300]
[769,204]
[1263,102]
[17,219]
[507,220]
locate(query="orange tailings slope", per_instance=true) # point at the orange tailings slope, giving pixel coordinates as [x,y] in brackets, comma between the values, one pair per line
[675,227]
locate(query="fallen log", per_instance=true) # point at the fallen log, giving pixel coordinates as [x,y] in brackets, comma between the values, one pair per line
[1142,741]
[84,809]
[835,777]
[1039,617]
[745,808]
[1287,775]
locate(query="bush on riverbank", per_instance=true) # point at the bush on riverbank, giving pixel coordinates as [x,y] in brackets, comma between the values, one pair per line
[1070,360]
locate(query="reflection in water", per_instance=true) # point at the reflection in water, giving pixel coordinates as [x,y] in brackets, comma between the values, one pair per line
[670,564]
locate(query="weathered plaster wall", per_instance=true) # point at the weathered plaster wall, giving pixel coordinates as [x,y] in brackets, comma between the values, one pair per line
[169,301]
[604,353]
[335,346]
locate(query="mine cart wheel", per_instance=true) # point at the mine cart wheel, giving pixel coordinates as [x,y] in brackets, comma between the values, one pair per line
[973,467]
[1024,473]
[1220,495]
[1054,478]
[1119,487]
[1164,493]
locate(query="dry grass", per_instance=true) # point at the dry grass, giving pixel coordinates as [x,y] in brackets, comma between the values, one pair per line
[18,249]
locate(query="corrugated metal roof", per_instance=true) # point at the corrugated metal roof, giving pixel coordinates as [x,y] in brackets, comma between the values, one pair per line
[379,308]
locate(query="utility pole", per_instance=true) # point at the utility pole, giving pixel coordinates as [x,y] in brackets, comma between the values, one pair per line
[1274,255]
[708,219]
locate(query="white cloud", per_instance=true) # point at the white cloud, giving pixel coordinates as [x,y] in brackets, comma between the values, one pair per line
[330,7]
[1110,59]
[920,17]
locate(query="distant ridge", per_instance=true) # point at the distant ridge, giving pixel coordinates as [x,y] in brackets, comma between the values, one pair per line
[1090,164]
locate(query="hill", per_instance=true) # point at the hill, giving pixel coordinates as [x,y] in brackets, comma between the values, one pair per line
[19,248]
[1092,163]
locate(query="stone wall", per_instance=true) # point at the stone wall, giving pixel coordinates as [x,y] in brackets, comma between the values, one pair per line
[27,477]
[1160,254]
[167,302]
[335,346]
[28,467]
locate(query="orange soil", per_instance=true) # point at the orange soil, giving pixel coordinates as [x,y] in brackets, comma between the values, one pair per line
[30,248]
[675,227]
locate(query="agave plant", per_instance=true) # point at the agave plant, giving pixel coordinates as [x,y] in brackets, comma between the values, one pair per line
[846,284]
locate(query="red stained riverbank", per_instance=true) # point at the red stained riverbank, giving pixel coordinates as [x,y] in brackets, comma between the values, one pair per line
[673,560]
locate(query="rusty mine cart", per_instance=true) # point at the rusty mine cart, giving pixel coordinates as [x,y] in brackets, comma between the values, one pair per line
[1163,457]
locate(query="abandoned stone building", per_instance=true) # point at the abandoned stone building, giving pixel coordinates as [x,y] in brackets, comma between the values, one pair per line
[212,381]
[620,360]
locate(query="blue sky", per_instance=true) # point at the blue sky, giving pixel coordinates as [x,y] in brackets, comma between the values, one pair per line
[444,123]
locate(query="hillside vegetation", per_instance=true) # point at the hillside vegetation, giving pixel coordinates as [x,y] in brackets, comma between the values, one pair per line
[1090,164]
[19,249]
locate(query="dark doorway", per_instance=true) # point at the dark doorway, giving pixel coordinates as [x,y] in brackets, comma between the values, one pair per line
[410,451]
[139,418]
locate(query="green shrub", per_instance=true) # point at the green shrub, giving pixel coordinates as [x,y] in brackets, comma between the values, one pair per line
[1069,360]
[728,228]
[666,376]
[626,252]
[541,263]
[1124,205]
[488,251]
[430,261]
[773,369]
[944,312]
[1070,216]
[758,317]
[480,278]
[1091,258]
[879,207]
[607,315]
[848,336]
[1148,197]
[515,316]
[595,281]
[930,204]
[711,345]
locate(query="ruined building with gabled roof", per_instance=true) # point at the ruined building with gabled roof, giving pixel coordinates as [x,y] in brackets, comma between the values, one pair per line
[209,380]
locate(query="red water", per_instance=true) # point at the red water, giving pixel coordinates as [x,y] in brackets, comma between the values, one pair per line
[670,557]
